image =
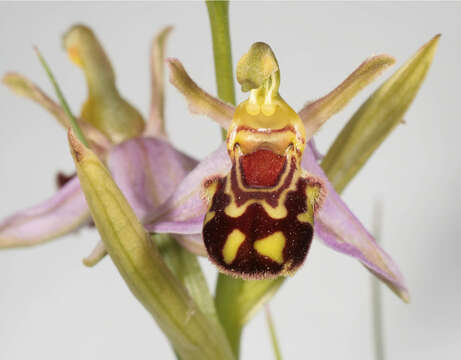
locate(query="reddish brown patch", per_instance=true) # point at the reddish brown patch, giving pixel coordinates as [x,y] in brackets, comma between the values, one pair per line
[62,179]
[262,168]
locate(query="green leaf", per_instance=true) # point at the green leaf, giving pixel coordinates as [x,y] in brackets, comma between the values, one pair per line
[192,334]
[376,118]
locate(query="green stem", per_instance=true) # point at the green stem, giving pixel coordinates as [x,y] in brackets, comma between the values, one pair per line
[377,319]
[227,288]
[227,292]
[218,13]
[275,343]
[376,303]
[73,121]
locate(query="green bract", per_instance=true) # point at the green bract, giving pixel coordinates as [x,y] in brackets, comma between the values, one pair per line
[376,118]
[192,334]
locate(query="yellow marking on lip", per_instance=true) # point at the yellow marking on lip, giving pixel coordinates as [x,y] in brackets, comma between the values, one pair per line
[278,212]
[209,190]
[305,217]
[234,211]
[271,246]
[233,242]
[313,194]
[209,215]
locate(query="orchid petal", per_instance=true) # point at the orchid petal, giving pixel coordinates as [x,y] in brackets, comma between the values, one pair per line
[105,109]
[200,102]
[192,334]
[317,112]
[377,117]
[22,86]
[317,154]
[184,211]
[339,229]
[192,242]
[61,214]
[148,170]
[156,124]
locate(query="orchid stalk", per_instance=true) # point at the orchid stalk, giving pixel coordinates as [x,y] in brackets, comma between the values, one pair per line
[253,206]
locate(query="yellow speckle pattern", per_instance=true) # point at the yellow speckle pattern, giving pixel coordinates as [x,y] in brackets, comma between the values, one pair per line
[271,246]
[233,242]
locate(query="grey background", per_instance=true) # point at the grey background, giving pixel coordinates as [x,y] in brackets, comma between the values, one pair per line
[52,307]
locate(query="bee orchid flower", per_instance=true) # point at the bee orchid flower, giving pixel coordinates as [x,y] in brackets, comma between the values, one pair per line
[142,161]
[259,198]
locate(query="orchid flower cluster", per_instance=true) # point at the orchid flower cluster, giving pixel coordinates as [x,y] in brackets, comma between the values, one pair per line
[252,206]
